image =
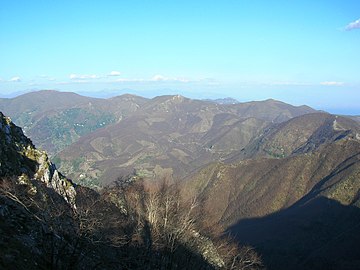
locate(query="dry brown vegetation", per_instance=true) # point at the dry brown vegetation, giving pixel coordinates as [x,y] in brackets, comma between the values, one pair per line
[171,133]
[127,227]
[164,221]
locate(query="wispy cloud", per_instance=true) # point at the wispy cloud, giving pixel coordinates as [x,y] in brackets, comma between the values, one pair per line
[94,78]
[83,76]
[353,25]
[114,73]
[158,78]
[15,79]
[161,78]
[332,83]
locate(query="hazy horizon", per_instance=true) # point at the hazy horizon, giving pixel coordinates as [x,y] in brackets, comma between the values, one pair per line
[299,52]
[154,93]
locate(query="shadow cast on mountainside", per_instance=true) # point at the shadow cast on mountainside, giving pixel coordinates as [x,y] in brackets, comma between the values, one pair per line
[140,258]
[46,235]
[318,234]
[125,241]
[318,188]
[15,163]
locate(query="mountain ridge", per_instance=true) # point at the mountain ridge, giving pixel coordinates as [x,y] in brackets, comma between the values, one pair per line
[169,136]
[56,119]
[283,205]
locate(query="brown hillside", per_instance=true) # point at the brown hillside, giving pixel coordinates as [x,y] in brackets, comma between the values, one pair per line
[169,135]
[55,119]
[299,212]
[300,135]
[255,188]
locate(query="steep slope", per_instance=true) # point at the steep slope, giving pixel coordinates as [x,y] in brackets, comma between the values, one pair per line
[319,234]
[292,207]
[19,158]
[255,188]
[56,119]
[169,135]
[300,135]
[36,205]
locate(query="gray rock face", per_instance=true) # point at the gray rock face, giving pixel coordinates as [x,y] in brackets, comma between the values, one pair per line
[48,174]
[20,158]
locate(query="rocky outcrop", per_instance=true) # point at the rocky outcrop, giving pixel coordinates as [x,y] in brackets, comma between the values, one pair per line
[20,158]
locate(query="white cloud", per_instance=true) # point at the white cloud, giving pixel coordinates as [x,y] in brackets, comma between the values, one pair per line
[15,79]
[332,83]
[161,78]
[114,73]
[83,76]
[184,80]
[87,78]
[353,25]
[158,78]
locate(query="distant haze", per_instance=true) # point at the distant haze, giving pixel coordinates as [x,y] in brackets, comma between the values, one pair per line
[320,104]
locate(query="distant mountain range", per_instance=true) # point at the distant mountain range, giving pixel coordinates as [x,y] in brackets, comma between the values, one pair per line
[99,139]
[171,136]
[55,119]
[284,179]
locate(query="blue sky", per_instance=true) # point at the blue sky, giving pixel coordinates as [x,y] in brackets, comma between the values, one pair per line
[301,52]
